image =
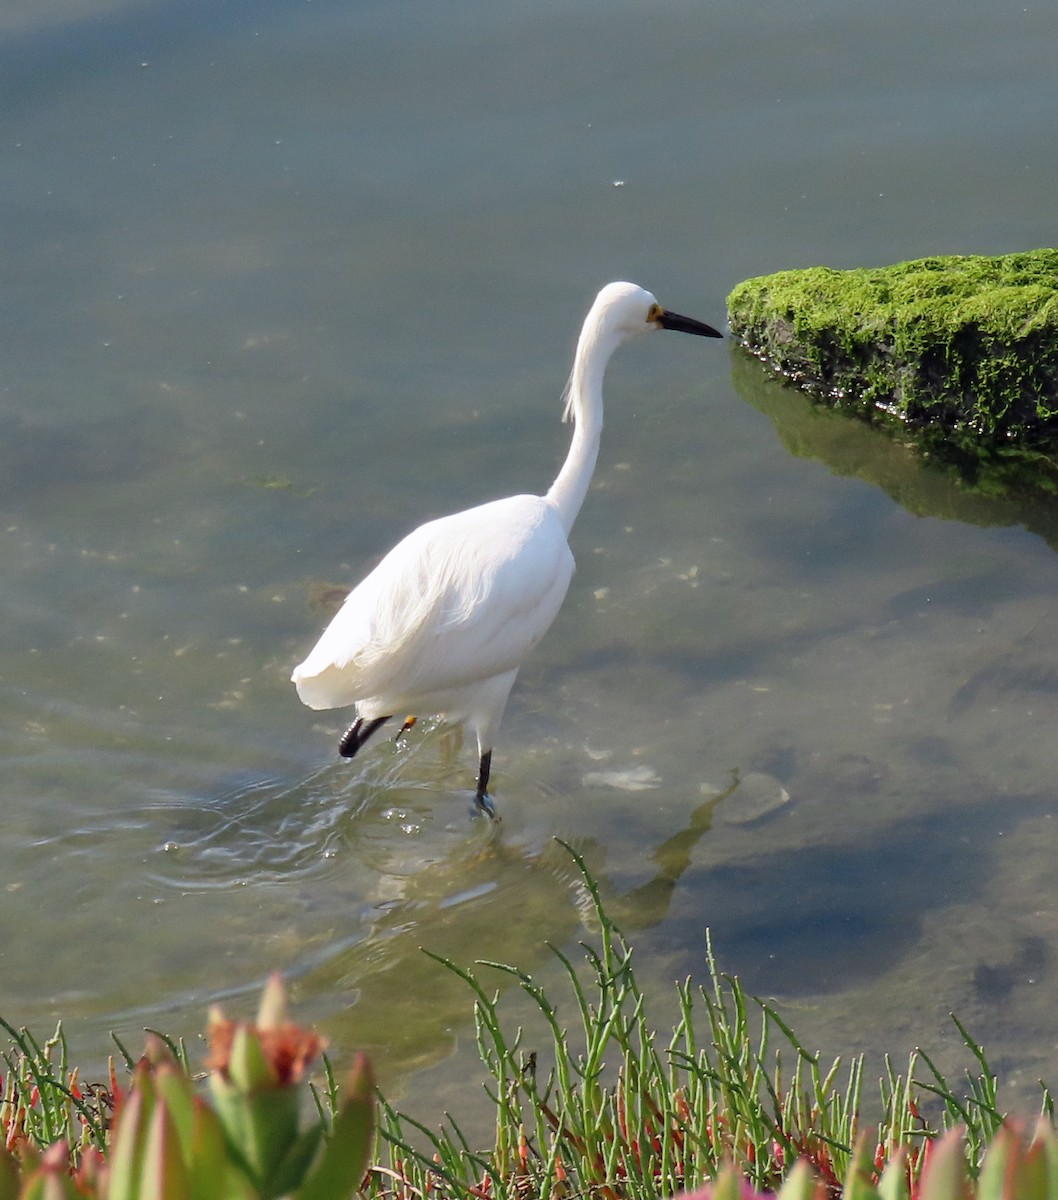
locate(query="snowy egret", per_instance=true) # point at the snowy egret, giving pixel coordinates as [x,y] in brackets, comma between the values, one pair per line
[442,624]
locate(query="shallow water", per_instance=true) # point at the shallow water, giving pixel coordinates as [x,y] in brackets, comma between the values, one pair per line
[282,280]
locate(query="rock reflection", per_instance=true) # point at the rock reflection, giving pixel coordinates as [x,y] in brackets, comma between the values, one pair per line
[497,896]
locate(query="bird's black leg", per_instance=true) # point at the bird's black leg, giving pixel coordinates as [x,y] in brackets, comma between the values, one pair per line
[358,733]
[481,796]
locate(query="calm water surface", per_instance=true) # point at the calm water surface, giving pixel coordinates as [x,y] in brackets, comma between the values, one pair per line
[283,279]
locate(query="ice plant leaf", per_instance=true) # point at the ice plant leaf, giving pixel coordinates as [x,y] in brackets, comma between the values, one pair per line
[893,1184]
[176,1093]
[1011,1171]
[944,1175]
[1048,1143]
[1031,1180]
[858,1185]
[248,1068]
[801,1184]
[260,1125]
[49,1178]
[272,1013]
[290,1173]
[164,1172]
[130,1136]
[728,1185]
[9,1179]
[212,1173]
[998,1167]
[341,1167]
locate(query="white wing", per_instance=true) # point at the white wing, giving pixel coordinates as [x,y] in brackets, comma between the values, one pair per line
[460,600]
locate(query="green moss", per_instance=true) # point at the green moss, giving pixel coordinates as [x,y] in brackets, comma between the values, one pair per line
[962,348]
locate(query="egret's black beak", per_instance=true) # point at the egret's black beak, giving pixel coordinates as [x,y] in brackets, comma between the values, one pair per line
[671,320]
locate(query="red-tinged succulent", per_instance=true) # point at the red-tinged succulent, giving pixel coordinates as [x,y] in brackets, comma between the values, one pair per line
[43,1176]
[273,1053]
[168,1143]
[255,1075]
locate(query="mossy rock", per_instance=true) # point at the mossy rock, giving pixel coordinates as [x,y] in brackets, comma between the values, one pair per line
[963,350]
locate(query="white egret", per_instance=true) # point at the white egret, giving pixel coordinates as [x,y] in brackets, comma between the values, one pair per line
[443,623]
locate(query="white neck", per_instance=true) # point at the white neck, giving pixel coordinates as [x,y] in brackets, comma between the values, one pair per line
[584,405]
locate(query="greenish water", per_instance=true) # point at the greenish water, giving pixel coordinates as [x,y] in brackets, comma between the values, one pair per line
[281,281]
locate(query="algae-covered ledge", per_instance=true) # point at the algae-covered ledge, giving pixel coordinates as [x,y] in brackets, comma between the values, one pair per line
[964,347]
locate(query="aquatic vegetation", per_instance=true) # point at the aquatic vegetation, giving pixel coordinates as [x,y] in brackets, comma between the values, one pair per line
[731,1104]
[960,352]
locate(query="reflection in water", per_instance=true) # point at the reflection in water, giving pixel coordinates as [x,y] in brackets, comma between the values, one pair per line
[649,903]
[1023,671]
[850,446]
[276,271]
[477,888]
[491,897]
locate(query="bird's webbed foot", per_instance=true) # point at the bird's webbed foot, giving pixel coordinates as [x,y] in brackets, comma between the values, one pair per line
[483,804]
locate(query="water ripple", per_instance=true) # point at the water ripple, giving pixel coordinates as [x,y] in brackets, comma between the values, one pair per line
[273,828]
[279,829]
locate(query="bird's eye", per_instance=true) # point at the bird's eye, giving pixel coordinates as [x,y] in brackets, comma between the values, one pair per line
[654,314]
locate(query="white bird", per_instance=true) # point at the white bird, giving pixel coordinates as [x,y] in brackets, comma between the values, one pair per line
[443,623]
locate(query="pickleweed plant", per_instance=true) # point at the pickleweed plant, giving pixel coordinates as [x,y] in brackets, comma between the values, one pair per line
[42,1100]
[619,1111]
[729,1105]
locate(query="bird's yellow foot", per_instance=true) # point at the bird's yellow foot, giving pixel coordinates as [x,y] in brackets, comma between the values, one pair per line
[409,722]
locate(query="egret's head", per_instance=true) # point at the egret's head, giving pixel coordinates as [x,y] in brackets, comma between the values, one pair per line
[621,311]
[628,310]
